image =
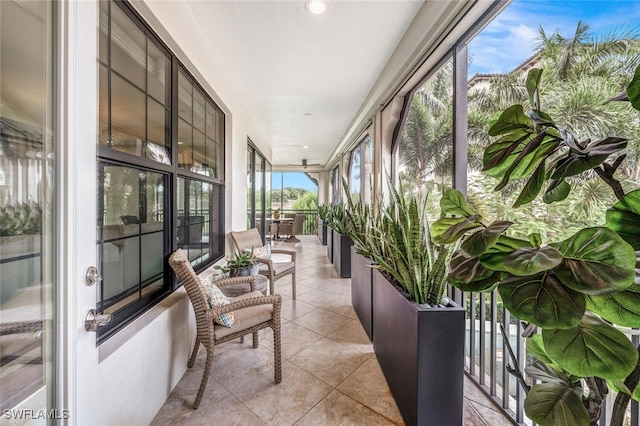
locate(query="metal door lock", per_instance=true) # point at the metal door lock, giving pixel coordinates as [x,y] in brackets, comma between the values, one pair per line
[92,276]
[93,321]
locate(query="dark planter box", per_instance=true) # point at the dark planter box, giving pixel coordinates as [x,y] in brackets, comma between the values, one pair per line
[330,244]
[322,232]
[421,352]
[362,289]
[341,246]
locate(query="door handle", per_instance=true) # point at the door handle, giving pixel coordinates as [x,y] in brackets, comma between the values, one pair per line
[93,320]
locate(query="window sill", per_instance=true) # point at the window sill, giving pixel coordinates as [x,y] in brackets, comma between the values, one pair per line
[114,343]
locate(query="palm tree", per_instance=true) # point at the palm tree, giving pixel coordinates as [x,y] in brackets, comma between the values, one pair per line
[427,142]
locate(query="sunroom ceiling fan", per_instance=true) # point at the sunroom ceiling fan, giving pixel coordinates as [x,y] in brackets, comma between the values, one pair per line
[305,164]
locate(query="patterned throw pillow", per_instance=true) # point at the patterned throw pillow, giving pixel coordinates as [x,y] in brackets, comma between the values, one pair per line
[264,251]
[216,298]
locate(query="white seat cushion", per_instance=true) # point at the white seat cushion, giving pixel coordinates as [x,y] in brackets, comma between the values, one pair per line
[245,318]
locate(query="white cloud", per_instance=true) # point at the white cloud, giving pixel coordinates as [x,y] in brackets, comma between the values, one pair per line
[512,36]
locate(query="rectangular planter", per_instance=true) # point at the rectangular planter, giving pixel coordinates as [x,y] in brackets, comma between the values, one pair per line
[341,245]
[421,352]
[362,289]
[322,232]
[330,244]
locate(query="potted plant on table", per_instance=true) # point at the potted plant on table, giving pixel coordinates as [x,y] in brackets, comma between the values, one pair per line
[418,333]
[576,292]
[241,264]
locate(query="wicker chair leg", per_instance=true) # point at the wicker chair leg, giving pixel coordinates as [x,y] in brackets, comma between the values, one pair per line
[255,340]
[277,353]
[192,359]
[293,285]
[205,378]
[272,286]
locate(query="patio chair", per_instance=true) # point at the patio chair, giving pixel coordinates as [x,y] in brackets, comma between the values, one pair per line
[293,229]
[251,239]
[252,311]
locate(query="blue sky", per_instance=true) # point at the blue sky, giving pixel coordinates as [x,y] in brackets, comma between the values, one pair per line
[511,37]
[293,180]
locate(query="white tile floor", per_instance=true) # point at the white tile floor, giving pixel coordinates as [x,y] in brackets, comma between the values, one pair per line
[330,372]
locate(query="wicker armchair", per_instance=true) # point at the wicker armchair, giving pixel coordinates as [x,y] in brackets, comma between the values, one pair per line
[293,229]
[253,311]
[246,240]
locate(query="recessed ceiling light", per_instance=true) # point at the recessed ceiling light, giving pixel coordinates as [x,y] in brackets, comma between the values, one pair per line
[317,7]
[305,146]
[307,114]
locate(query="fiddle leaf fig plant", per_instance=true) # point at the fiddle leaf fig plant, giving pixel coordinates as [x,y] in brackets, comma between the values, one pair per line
[576,292]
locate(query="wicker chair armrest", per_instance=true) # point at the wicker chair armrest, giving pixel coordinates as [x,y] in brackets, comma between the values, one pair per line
[250,279]
[272,299]
[291,253]
[264,260]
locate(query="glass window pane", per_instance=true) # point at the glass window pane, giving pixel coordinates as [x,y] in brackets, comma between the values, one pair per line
[196,222]
[128,47]
[198,152]
[185,143]
[133,222]
[185,98]
[211,121]
[425,151]
[26,215]
[211,161]
[367,169]
[103,107]
[354,173]
[103,47]
[127,116]
[158,144]
[198,110]
[157,71]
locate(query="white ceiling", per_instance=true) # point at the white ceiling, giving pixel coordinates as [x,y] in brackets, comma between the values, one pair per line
[289,64]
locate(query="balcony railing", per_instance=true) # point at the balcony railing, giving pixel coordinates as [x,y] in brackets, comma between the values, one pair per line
[487,357]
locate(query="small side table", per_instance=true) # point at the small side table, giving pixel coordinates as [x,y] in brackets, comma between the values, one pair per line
[235,290]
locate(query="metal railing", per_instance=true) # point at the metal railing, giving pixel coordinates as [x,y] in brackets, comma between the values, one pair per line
[310,223]
[487,357]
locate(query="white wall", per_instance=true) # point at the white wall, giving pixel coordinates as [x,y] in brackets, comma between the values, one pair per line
[139,367]
[135,379]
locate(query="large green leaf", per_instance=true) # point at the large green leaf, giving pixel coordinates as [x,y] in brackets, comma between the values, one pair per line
[453,203]
[468,274]
[595,154]
[557,190]
[540,118]
[592,348]
[633,89]
[624,218]
[531,260]
[556,404]
[534,76]
[542,300]
[499,156]
[596,261]
[513,118]
[535,347]
[481,241]
[524,155]
[496,254]
[455,231]
[518,167]
[622,308]
[532,187]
